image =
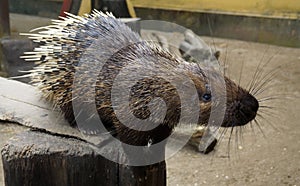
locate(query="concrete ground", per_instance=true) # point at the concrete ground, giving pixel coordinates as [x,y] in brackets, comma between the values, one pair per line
[268,154]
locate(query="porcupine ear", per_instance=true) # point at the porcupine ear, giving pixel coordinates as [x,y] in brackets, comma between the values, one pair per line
[194,49]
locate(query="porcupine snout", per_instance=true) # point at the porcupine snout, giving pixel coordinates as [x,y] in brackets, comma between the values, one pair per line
[241,111]
[248,108]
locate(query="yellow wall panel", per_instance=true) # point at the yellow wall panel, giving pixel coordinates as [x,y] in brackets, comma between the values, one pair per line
[269,8]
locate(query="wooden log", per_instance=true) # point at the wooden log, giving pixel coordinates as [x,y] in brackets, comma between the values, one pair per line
[34,158]
[37,158]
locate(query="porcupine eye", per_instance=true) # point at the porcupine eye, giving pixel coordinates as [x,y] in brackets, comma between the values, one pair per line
[206,97]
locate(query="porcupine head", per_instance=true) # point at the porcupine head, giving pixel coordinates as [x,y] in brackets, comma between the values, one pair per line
[101,73]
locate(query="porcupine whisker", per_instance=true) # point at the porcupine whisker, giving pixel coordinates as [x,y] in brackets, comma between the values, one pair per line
[268,122]
[241,72]
[265,80]
[237,129]
[220,138]
[275,97]
[238,133]
[229,141]
[225,61]
[261,70]
[232,140]
[264,89]
[259,127]
[251,83]
[270,113]
[240,140]
[241,136]
[265,106]
[252,128]
[222,134]
[271,98]
[258,68]
[260,77]
[232,128]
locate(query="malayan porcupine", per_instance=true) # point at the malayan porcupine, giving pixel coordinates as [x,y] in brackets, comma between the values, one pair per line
[91,51]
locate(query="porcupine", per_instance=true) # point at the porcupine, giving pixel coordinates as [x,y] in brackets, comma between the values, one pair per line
[75,43]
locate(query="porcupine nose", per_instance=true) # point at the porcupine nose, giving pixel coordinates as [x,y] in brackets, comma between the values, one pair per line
[248,109]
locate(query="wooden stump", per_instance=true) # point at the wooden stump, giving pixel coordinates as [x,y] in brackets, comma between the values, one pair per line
[36,158]
[55,153]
